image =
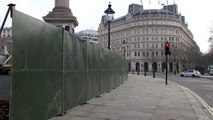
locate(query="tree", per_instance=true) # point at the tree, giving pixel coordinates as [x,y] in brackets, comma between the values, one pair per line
[211,42]
[208,57]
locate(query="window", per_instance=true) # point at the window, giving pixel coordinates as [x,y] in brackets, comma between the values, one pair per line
[135,53]
[129,53]
[144,38]
[147,45]
[138,53]
[153,38]
[130,39]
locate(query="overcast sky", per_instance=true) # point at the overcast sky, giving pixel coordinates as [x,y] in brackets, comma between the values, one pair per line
[198,13]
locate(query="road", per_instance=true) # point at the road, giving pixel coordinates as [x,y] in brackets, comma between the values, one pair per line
[4,96]
[4,87]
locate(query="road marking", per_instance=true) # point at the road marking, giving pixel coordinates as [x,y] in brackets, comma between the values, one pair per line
[209,96]
[200,99]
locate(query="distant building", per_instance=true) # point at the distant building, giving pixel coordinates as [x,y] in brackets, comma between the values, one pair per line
[141,34]
[6,39]
[91,35]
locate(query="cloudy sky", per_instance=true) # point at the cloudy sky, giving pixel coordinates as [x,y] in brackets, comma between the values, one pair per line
[198,13]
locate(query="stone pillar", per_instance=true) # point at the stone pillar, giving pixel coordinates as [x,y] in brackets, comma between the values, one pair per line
[62,3]
[61,15]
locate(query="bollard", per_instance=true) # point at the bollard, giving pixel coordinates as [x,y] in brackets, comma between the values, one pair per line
[153,74]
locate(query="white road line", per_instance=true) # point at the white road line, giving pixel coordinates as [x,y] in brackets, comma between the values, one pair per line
[201,100]
[209,96]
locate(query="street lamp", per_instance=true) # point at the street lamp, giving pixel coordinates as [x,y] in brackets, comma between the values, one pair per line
[109,16]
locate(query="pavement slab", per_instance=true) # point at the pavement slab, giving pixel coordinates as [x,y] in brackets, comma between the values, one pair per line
[140,98]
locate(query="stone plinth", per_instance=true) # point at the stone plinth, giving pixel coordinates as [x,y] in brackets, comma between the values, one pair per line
[61,15]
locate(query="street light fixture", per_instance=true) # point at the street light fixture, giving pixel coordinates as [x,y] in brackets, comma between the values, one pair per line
[109,16]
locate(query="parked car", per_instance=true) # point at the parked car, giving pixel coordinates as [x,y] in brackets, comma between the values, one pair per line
[190,73]
[211,72]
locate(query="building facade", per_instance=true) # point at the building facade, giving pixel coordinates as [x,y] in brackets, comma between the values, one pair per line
[91,35]
[6,40]
[141,34]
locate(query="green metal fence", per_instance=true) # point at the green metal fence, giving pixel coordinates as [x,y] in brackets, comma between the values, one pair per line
[54,71]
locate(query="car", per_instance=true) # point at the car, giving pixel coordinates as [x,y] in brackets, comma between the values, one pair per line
[211,72]
[190,73]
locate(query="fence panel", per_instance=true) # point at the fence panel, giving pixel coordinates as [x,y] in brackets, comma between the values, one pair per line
[36,69]
[93,68]
[54,71]
[74,71]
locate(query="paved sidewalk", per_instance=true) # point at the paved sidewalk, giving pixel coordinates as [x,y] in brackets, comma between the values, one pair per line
[140,98]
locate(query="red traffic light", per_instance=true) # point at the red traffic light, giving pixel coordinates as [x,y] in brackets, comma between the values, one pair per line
[166,44]
[167,51]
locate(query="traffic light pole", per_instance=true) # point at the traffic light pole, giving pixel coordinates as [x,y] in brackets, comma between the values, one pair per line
[166,68]
[167,52]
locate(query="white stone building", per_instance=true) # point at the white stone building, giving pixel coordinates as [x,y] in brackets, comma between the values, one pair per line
[141,34]
[6,39]
[91,35]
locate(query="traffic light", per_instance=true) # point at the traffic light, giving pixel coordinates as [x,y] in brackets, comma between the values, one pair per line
[167,50]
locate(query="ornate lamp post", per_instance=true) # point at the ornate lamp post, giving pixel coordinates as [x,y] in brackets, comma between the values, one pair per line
[109,16]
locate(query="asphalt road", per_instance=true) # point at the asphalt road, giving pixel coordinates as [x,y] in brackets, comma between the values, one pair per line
[4,87]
